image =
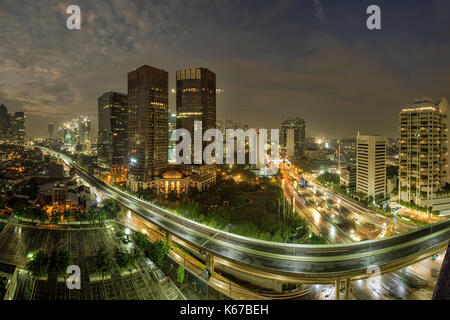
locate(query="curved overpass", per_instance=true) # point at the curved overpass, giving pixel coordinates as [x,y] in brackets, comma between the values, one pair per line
[288,262]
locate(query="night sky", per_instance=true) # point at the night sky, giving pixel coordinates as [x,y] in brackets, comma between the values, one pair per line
[314,59]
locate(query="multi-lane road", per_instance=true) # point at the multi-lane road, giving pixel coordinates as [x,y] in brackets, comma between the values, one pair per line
[348,217]
[286,261]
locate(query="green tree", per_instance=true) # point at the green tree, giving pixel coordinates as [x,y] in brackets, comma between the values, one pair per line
[111,208]
[329,177]
[126,260]
[122,258]
[158,252]
[20,209]
[316,240]
[60,259]
[120,233]
[142,242]
[97,217]
[37,263]
[180,274]
[146,194]
[103,262]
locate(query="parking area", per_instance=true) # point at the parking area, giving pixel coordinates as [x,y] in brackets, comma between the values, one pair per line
[16,241]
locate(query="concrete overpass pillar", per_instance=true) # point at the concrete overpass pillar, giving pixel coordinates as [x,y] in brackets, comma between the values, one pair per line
[336,289]
[347,288]
[210,262]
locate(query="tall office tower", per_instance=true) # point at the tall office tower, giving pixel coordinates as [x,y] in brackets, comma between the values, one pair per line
[19,127]
[172,143]
[51,129]
[147,125]
[371,165]
[112,133]
[424,154]
[299,136]
[4,121]
[196,100]
[83,130]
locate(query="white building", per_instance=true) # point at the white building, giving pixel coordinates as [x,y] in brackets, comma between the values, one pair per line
[371,165]
[423,171]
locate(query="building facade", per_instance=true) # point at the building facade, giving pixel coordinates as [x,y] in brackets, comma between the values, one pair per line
[18,127]
[371,166]
[423,170]
[59,195]
[112,134]
[147,125]
[347,177]
[51,129]
[196,100]
[4,121]
[292,137]
[172,143]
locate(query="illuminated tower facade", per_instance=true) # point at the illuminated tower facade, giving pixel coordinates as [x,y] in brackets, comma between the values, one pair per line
[112,133]
[147,125]
[196,99]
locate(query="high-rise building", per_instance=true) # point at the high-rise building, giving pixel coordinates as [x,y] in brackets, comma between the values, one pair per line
[172,143]
[298,139]
[423,172]
[112,133]
[19,127]
[76,134]
[147,125]
[4,121]
[51,129]
[347,176]
[59,195]
[83,125]
[196,100]
[371,166]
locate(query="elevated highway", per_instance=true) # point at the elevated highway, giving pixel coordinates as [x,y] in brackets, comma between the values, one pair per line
[279,261]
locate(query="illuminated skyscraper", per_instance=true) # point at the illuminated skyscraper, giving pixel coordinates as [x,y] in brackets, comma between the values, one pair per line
[18,127]
[148,136]
[4,121]
[423,172]
[172,144]
[84,131]
[292,137]
[112,133]
[51,129]
[196,99]
[77,134]
[371,166]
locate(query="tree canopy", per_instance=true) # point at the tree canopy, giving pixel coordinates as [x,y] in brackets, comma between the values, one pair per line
[37,263]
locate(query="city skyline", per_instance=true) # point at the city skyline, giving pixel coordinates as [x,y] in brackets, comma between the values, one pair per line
[326,59]
[224,150]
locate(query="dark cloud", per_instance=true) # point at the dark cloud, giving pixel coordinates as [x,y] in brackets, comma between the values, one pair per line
[313,59]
